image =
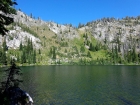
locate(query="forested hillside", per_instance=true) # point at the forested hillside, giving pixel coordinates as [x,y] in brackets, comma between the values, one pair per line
[32,41]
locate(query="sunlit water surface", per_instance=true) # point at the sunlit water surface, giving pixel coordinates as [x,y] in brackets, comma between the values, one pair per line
[82,85]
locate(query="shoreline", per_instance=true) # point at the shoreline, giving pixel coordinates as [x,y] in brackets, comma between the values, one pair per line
[26,65]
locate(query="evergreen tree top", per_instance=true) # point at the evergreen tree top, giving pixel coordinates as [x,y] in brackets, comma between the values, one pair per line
[6,8]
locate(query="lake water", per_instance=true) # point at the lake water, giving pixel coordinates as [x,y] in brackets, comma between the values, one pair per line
[83,85]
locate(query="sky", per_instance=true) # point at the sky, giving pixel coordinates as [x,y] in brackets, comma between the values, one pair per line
[78,11]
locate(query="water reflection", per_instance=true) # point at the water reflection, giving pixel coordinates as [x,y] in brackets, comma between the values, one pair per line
[62,85]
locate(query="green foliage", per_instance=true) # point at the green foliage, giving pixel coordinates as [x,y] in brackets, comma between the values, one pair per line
[83,61]
[66,51]
[91,47]
[23,57]
[29,47]
[4,46]
[3,58]
[82,49]
[39,51]
[63,44]
[97,47]
[105,41]
[34,57]
[28,53]
[6,6]
[132,56]
[89,55]
[75,49]
[53,53]
[80,25]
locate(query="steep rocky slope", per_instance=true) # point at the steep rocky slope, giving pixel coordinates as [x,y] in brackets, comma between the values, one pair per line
[111,32]
[104,41]
[26,27]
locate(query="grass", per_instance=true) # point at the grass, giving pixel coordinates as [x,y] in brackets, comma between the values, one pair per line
[99,54]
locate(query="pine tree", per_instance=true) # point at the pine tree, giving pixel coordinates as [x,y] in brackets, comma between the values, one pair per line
[119,45]
[11,80]
[23,57]
[79,25]
[31,45]
[29,59]
[54,53]
[129,56]
[89,55]
[12,77]
[31,16]
[134,55]
[20,47]
[82,49]
[34,57]
[0,56]
[6,7]
[116,52]
[91,47]
[39,51]
[97,47]
[4,45]
[51,52]
[86,36]
[4,58]
[28,46]
[65,50]
[105,41]
[18,59]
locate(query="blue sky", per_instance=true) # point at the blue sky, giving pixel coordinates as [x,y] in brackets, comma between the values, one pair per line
[79,11]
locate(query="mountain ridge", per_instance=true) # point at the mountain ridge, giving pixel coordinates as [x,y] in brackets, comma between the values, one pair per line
[94,43]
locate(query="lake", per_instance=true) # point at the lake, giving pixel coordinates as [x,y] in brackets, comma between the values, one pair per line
[82,85]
